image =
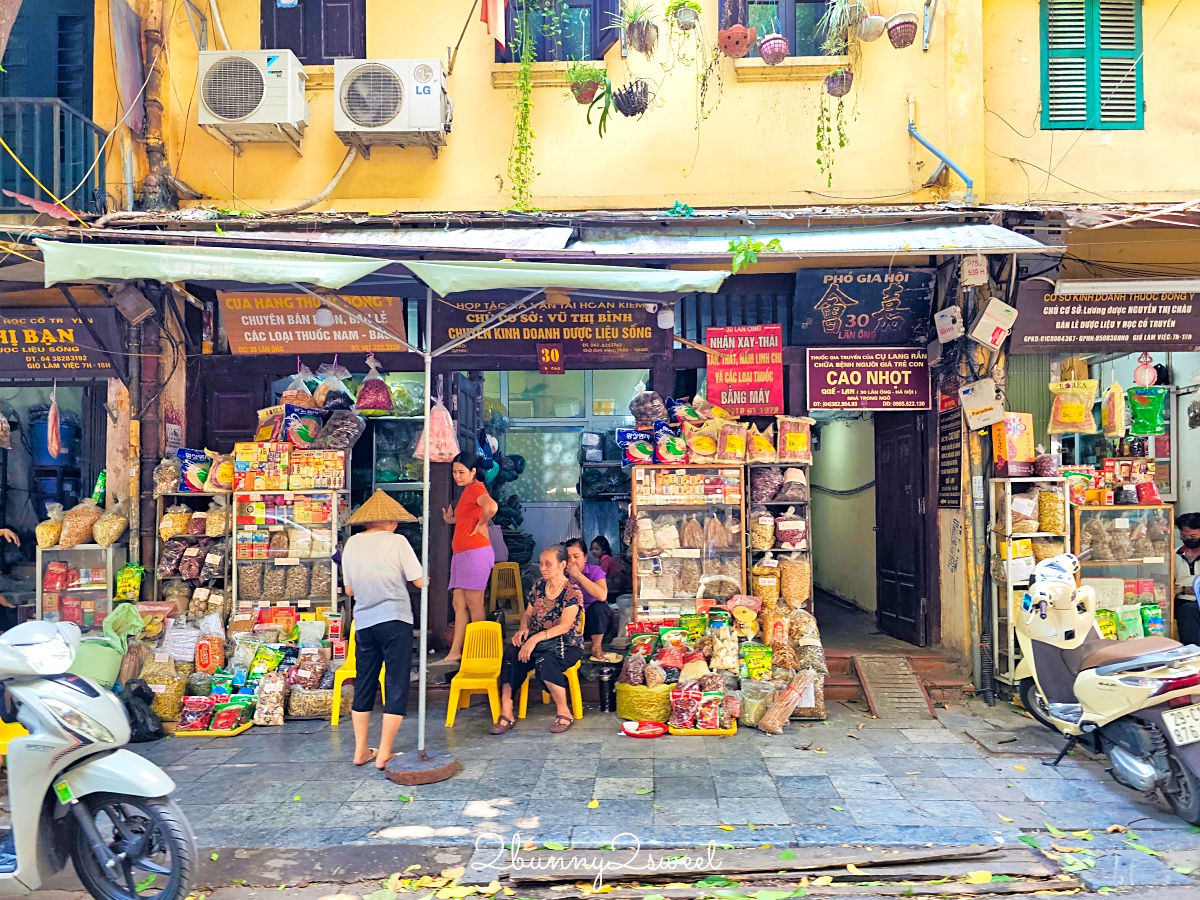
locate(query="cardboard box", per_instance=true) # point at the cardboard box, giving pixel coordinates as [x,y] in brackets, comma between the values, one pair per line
[311,469]
[1021,547]
[261,466]
[1012,444]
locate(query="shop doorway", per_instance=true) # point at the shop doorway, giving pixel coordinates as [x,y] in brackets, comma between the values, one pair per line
[901,541]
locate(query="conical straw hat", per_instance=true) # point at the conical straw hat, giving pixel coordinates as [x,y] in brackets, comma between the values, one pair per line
[381,508]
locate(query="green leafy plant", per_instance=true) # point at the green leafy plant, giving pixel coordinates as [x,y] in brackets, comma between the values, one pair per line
[675,5]
[583,72]
[521,170]
[839,24]
[632,11]
[831,134]
[603,98]
[681,210]
[745,250]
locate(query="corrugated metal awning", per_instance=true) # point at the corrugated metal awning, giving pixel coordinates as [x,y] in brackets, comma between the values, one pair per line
[1102,287]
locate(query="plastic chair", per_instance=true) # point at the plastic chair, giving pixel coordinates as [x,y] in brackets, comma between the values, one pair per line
[479,673]
[506,585]
[10,733]
[576,695]
[348,671]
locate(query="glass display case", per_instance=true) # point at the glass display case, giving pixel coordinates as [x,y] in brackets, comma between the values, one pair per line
[76,585]
[689,543]
[1131,567]
[284,542]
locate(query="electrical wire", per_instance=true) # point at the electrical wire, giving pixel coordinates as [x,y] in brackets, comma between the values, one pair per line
[49,193]
[848,492]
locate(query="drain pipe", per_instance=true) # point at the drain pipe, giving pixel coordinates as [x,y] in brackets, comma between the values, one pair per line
[949,163]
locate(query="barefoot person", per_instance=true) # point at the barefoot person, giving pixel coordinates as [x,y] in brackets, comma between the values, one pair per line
[376,568]
[548,642]
[471,564]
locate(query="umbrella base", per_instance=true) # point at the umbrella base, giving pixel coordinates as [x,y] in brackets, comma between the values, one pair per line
[421,768]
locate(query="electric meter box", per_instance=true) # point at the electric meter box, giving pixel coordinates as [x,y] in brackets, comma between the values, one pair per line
[949,324]
[980,404]
[992,326]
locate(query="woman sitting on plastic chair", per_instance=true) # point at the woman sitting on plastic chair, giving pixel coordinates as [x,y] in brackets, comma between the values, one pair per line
[376,567]
[548,642]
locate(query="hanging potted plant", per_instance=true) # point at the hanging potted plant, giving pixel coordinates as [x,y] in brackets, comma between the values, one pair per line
[736,40]
[902,29]
[685,14]
[840,25]
[633,99]
[637,20]
[773,48]
[585,79]
[871,26]
[838,82]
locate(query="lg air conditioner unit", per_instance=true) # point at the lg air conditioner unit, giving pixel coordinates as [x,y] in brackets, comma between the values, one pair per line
[399,102]
[252,95]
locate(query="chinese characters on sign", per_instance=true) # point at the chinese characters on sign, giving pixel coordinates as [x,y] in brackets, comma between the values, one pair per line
[284,323]
[883,378]
[56,341]
[1047,322]
[588,330]
[950,440]
[747,378]
[862,306]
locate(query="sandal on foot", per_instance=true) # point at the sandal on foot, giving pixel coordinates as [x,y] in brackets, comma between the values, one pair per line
[561,724]
[374,753]
[503,724]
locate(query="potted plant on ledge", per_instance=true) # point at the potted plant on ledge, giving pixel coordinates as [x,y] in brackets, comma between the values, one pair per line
[585,79]
[685,14]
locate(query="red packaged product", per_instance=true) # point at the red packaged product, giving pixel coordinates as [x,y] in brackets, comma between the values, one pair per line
[693,656]
[671,658]
[197,714]
[685,705]
[226,718]
[55,578]
[708,716]
[1147,494]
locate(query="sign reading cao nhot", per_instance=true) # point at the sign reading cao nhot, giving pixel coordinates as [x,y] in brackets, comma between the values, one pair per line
[868,378]
[1048,322]
[841,307]
[57,342]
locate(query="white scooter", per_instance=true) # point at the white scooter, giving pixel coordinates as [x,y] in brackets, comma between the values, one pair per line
[73,792]
[1135,701]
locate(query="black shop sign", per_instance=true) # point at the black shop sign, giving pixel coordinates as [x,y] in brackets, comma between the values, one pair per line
[56,342]
[863,307]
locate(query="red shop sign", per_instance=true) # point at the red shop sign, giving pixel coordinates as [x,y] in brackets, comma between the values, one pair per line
[747,378]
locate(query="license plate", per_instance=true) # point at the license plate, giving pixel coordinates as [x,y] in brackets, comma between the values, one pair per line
[1183,724]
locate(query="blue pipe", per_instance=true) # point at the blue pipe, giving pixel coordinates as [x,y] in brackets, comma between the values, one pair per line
[953,166]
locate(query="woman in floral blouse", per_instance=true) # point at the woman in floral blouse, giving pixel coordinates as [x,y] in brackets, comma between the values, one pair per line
[548,642]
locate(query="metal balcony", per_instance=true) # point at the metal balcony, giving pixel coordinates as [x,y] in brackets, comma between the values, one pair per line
[59,146]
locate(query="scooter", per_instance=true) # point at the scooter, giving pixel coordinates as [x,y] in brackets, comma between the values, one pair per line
[1135,701]
[74,793]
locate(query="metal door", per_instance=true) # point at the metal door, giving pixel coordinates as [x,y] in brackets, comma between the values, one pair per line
[901,526]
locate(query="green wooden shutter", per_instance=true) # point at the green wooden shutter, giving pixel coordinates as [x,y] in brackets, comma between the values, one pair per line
[1091,64]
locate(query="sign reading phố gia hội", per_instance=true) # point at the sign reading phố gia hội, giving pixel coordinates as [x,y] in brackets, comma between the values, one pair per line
[57,342]
[868,378]
[844,307]
[285,323]
[747,378]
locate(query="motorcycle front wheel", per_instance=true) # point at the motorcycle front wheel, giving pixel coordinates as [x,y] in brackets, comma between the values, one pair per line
[155,843]
[1184,798]
[1034,701]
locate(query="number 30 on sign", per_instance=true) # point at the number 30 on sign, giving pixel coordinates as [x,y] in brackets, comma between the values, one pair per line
[550,359]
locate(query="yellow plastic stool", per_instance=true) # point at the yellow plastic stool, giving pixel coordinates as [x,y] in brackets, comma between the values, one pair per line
[348,670]
[479,673]
[9,733]
[506,585]
[576,695]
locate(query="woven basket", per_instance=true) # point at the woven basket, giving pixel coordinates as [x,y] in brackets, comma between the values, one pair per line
[773,49]
[871,28]
[736,40]
[838,84]
[633,99]
[902,29]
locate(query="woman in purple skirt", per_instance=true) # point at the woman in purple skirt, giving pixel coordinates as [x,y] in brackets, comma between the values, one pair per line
[471,564]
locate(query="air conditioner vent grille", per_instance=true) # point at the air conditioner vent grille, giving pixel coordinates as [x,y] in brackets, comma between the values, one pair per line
[233,88]
[372,96]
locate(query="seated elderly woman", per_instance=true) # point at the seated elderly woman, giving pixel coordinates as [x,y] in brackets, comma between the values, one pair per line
[549,641]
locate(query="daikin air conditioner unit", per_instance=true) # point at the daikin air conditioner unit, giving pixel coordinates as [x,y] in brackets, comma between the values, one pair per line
[252,95]
[400,102]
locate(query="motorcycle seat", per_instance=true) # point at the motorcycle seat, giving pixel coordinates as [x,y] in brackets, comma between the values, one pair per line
[1105,653]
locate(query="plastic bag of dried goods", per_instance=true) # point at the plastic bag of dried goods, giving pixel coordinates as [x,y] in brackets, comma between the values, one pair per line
[49,531]
[166,476]
[77,523]
[1071,408]
[374,398]
[443,439]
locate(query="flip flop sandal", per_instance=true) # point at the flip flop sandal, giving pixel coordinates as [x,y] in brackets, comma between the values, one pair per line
[503,724]
[371,758]
[558,727]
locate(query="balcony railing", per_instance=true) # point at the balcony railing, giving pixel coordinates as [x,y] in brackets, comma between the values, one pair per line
[59,146]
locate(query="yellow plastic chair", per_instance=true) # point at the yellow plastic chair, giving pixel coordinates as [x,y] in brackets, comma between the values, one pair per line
[506,585]
[576,695]
[348,670]
[479,673]
[9,733]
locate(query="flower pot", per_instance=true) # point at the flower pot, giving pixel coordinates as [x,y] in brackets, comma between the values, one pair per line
[902,29]
[736,40]
[871,28]
[773,49]
[642,36]
[633,99]
[585,91]
[686,18]
[838,84]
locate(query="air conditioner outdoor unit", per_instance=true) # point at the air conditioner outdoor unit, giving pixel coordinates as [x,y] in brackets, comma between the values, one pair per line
[400,102]
[252,95]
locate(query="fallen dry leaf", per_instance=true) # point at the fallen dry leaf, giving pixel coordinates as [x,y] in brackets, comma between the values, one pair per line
[823,881]
[725,827]
[853,869]
[1061,849]
[1115,829]
[594,804]
[1004,818]
[1022,768]
[981,877]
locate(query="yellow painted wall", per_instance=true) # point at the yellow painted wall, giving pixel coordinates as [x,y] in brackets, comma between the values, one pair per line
[1026,164]
[843,535]
[756,149]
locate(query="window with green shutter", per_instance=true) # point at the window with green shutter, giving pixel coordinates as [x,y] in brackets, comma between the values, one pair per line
[1091,64]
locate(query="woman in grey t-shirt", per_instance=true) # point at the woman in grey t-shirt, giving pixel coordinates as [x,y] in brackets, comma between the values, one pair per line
[376,568]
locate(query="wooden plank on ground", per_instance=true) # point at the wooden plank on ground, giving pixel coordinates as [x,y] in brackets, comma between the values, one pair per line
[577,865]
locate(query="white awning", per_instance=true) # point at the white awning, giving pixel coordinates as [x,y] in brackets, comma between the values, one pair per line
[1088,288]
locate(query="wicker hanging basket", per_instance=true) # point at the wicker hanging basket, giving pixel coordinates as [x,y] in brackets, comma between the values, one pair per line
[773,49]
[736,40]
[633,99]
[902,29]
[838,83]
[871,28]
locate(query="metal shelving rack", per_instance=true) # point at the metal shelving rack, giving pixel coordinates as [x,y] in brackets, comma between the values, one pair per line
[775,507]
[113,558]
[1004,609]
[161,503]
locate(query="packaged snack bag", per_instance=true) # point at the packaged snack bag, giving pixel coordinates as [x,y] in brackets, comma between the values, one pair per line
[1112,411]
[1071,409]
[49,531]
[194,466]
[374,398]
[1146,405]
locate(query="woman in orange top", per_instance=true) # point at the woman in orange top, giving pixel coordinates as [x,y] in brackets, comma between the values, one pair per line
[471,564]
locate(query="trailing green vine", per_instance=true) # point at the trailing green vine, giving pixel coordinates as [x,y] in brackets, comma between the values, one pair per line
[520,157]
[831,135]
